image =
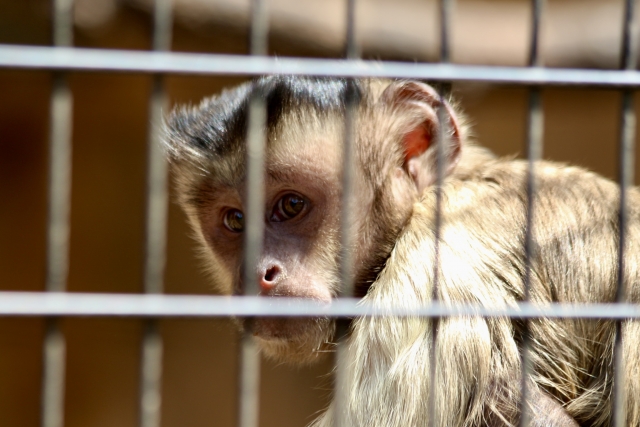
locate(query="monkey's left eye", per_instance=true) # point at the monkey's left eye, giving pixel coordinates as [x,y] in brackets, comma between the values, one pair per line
[288,207]
[234,220]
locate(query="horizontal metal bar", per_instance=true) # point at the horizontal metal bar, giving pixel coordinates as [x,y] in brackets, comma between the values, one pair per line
[158,305]
[75,59]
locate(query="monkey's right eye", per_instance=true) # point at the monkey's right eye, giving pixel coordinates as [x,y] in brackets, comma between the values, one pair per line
[234,220]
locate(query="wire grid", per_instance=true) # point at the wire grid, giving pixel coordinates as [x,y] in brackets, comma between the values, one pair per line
[153,305]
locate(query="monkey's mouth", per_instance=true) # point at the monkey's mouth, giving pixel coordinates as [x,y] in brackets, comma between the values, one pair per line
[284,328]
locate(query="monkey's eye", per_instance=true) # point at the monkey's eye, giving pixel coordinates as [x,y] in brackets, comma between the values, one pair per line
[234,220]
[288,207]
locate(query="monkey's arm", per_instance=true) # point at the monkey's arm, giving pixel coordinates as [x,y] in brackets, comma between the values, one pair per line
[478,361]
[477,380]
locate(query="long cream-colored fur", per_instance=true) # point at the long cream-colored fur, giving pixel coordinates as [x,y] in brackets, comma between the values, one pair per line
[478,361]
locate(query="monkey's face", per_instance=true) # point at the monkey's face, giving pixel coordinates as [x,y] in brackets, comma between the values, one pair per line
[394,162]
[301,233]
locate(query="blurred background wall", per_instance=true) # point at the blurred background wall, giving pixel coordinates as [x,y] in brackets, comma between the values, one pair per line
[109,148]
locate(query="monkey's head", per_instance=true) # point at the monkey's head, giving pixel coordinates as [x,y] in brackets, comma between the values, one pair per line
[397,128]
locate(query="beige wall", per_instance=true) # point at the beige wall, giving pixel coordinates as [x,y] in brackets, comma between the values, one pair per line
[109,145]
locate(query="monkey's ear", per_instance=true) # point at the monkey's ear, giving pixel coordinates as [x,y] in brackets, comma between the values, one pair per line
[423,106]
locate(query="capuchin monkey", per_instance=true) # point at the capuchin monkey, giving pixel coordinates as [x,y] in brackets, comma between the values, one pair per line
[480,254]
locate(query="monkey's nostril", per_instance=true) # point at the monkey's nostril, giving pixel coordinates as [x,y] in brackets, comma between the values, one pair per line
[269,279]
[271,274]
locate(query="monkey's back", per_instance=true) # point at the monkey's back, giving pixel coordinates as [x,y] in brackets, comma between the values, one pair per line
[574,260]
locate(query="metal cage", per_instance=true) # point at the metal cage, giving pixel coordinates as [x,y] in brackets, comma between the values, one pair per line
[153,305]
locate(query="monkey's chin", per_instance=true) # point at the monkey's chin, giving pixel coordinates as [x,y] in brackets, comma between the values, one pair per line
[297,340]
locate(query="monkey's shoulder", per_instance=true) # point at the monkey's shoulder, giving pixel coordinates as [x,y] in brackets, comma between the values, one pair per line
[551,181]
[484,217]
[495,194]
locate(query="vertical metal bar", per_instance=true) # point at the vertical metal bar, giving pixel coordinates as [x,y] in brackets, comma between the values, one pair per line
[534,153]
[346,232]
[346,219]
[627,165]
[249,381]
[54,372]
[61,107]
[535,59]
[535,132]
[59,184]
[346,251]
[627,155]
[352,51]
[249,384]
[60,159]
[63,22]
[151,375]
[443,136]
[256,139]
[249,374]
[259,41]
[157,197]
[629,54]
[446,14]
[156,227]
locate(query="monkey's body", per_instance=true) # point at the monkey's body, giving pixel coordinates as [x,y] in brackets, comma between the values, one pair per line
[575,261]
[480,253]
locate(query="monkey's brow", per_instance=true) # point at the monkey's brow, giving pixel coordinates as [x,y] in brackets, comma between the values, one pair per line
[283,174]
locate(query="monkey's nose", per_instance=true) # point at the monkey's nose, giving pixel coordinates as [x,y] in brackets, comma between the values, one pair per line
[270,278]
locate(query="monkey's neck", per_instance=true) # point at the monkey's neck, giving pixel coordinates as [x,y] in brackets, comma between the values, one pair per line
[364,281]
[472,159]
